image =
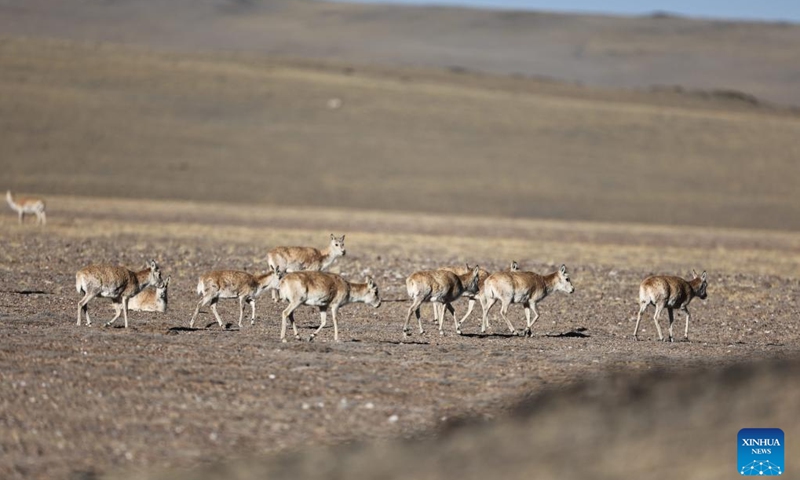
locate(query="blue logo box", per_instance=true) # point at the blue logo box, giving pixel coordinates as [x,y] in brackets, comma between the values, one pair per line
[761,451]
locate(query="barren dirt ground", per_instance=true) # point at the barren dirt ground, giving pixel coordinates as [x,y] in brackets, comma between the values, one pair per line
[83,401]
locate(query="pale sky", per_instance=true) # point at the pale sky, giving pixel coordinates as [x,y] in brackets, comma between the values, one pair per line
[773,10]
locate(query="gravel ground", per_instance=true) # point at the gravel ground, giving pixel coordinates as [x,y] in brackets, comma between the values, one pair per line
[79,402]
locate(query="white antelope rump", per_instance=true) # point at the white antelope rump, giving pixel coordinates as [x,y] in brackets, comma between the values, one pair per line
[23,205]
[245,286]
[296,259]
[669,292]
[527,288]
[442,287]
[117,283]
[151,299]
[326,291]
[463,270]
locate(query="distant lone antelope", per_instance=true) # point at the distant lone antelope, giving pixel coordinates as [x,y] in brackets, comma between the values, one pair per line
[234,284]
[117,283]
[24,205]
[438,287]
[527,288]
[669,292]
[151,299]
[326,291]
[296,259]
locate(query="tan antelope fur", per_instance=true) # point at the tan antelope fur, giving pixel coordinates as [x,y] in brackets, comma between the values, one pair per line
[669,292]
[326,291]
[463,270]
[117,283]
[296,259]
[526,288]
[245,286]
[151,299]
[23,205]
[442,287]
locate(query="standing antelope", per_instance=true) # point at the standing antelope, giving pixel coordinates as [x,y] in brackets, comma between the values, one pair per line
[151,299]
[442,287]
[526,288]
[670,292]
[295,259]
[117,283]
[234,284]
[324,290]
[27,205]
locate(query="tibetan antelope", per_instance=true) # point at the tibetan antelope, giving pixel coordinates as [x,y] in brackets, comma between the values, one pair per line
[463,270]
[669,292]
[324,290]
[442,287]
[296,259]
[151,299]
[23,205]
[246,287]
[483,275]
[117,283]
[527,288]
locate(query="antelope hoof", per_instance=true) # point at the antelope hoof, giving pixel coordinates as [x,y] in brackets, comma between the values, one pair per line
[297,337]
[458,331]
[685,339]
[441,333]
[283,340]
[311,338]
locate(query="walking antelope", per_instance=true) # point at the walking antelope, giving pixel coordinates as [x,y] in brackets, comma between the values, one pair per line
[246,287]
[151,299]
[295,259]
[27,205]
[669,292]
[442,287]
[463,270]
[326,291]
[482,276]
[527,288]
[117,283]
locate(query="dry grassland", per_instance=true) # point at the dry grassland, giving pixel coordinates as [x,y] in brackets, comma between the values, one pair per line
[90,401]
[110,121]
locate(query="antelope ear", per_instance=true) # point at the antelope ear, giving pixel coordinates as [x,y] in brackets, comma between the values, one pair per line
[153,265]
[694,273]
[342,238]
[333,237]
[563,268]
[166,282]
[370,282]
[703,276]
[476,270]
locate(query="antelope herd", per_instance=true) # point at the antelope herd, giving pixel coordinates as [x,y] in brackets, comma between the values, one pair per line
[296,275]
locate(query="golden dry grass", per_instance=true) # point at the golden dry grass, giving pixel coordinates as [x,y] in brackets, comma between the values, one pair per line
[110,121]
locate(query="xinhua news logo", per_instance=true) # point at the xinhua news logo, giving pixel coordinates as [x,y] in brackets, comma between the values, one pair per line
[761,451]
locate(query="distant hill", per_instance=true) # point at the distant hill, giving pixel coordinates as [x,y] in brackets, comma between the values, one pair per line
[759,59]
